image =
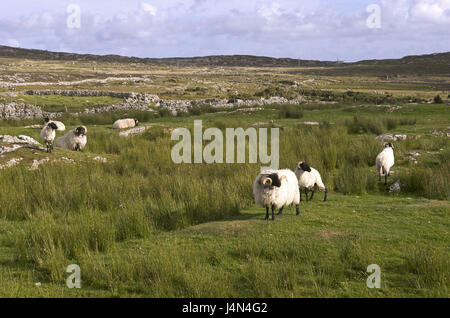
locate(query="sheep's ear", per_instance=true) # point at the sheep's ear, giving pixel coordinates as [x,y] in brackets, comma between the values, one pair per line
[305,167]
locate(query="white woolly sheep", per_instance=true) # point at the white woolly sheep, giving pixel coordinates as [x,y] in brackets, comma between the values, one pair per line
[385,160]
[74,140]
[125,123]
[60,125]
[308,178]
[48,134]
[276,189]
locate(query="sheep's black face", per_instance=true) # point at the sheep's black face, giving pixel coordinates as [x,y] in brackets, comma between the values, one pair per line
[305,167]
[80,131]
[46,119]
[276,182]
[52,126]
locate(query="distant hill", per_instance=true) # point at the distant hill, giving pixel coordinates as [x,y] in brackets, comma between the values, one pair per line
[216,60]
[435,61]
[436,58]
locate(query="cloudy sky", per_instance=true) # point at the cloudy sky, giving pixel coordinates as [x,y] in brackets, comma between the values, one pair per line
[348,30]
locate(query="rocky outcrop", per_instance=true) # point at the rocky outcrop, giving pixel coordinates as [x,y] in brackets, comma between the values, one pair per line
[23,111]
[133,101]
[391,137]
[11,163]
[17,143]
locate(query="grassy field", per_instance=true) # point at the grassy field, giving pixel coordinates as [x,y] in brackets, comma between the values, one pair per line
[139,225]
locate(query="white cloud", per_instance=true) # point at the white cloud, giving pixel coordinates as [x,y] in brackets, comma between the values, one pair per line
[152,10]
[269,12]
[12,42]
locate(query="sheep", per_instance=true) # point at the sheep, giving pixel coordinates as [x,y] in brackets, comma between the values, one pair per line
[308,178]
[48,134]
[276,189]
[74,140]
[60,125]
[125,123]
[384,161]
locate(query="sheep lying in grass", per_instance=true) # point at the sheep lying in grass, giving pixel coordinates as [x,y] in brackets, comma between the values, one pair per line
[308,178]
[60,125]
[385,160]
[125,123]
[48,134]
[74,140]
[276,189]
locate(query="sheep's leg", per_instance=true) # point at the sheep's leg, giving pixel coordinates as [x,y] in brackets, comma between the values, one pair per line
[297,209]
[385,179]
[300,189]
[306,194]
[273,212]
[281,210]
[267,213]
[312,194]
[325,197]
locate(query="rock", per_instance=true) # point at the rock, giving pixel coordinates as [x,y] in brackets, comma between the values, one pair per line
[33,126]
[309,123]
[100,159]
[391,137]
[133,131]
[247,110]
[36,163]
[395,187]
[11,163]
[67,160]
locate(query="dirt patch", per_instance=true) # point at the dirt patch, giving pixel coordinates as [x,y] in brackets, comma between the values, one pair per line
[326,234]
[231,228]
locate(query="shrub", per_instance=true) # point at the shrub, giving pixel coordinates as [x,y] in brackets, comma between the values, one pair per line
[438,99]
[290,111]
[364,125]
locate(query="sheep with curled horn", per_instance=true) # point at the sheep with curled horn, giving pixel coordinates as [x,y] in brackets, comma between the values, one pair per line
[276,189]
[308,179]
[74,140]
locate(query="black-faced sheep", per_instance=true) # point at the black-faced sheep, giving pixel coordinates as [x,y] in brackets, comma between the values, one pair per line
[125,123]
[74,140]
[276,189]
[48,134]
[308,178]
[60,125]
[385,160]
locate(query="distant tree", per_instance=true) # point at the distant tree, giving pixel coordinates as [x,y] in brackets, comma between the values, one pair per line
[438,99]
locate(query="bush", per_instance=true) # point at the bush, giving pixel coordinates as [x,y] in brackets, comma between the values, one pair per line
[275,91]
[364,125]
[438,99]
[290,111]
